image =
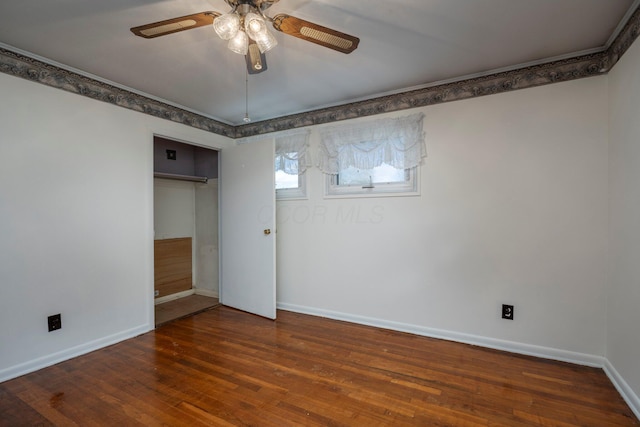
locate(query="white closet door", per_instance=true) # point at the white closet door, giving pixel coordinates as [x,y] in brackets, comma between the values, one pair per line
[247,228]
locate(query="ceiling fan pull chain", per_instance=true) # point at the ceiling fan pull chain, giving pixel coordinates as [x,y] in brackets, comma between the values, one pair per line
[246,98]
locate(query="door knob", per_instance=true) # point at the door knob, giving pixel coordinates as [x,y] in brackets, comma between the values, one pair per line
[267,231]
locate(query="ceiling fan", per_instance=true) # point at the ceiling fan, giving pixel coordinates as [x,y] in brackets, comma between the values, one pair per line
[246,30]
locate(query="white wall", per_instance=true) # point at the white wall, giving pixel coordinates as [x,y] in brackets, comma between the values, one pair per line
[513,209]
[623,313]
[174,210]
[76,222]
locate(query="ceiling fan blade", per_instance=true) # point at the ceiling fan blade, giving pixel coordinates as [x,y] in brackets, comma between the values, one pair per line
[315,33]
[174,25]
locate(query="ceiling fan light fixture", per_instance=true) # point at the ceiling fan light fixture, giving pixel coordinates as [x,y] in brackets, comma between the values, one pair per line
[245,28]
[226,26]
[239,43]
[266,41]
[254,25]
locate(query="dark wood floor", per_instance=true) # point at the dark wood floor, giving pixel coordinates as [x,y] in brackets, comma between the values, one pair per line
[224,367]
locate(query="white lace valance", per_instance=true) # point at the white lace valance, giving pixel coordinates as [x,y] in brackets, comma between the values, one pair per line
[292,152]
[398,142]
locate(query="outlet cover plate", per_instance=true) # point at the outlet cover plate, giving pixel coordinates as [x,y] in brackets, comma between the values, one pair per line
[507,311]
[55,322]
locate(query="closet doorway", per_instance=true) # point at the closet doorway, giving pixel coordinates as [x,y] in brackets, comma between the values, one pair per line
[186,279]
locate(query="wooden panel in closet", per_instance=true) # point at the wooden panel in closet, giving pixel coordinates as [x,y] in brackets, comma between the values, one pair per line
[173,266]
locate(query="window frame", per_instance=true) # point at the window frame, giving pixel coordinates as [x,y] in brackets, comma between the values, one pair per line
[288,143]
[299,193]
[411,187]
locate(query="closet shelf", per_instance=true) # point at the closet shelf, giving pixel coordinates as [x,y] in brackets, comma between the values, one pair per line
[202,179]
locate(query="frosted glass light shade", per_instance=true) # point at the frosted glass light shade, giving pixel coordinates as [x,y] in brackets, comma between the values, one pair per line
[239,43]
[254,25]
[227,25]
[266,41]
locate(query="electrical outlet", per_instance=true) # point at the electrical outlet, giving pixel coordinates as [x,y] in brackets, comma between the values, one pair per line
[55,322]
[507,311]
[172,155]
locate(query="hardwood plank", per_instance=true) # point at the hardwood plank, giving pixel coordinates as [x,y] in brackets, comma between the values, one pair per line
[225,367]
[14,411]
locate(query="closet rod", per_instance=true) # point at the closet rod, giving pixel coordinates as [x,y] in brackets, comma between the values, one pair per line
[202,179]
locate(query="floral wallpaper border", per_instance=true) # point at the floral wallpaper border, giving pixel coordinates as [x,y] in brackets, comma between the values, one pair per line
[32,69]
[38,71]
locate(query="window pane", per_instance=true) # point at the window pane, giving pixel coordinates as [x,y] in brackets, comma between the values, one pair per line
[284,180]
[382,174]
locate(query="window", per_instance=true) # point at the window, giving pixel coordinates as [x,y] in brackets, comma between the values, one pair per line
[291,162]
[373,159]
[383,179]
[383,174]
[285,181]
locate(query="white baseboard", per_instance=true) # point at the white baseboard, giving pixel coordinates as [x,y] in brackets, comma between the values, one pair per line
[79,350]
[510,346]
[623,388]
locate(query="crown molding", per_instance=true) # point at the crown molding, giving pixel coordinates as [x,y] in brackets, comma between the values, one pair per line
[625,39]
[554,71]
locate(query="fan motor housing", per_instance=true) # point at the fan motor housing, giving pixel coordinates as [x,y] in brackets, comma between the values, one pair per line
[259,4]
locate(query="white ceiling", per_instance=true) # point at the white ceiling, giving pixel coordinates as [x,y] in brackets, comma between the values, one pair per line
[403,44]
